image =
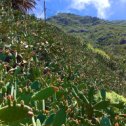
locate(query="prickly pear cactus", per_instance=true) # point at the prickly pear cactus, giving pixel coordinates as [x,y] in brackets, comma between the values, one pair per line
[102,105]
[44,94]
[4,90]
[49,120]
[14,113]
[60,118]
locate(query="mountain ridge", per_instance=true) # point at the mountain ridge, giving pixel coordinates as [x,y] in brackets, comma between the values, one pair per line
[101,33]
[109,36]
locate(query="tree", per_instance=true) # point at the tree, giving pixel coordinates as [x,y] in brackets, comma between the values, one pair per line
[23,5]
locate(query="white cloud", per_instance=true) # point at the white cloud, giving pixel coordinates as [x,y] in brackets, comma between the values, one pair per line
[101,6]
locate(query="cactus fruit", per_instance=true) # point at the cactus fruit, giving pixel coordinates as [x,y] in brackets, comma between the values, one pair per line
[116,124]
[30,113]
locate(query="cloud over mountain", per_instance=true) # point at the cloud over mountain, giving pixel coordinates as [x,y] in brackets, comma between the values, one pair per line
[101,6]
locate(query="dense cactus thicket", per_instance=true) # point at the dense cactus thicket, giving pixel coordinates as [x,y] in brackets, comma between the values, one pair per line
[48,78]
[103,34]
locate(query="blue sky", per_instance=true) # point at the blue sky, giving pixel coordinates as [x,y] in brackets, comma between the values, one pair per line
[105,9]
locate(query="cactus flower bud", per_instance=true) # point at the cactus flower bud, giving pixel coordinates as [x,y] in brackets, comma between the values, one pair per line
[30,113]
[10,97]
[20,90]
[116,124]
[56,89]
[22,103]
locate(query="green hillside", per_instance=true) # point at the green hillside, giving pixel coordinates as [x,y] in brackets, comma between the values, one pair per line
[50,78]
[108,35]
[54,47]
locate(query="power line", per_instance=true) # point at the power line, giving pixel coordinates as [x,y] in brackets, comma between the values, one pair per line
[45,11]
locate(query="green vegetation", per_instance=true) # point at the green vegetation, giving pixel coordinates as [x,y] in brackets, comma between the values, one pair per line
[107,35]
[98,51]
[49,78]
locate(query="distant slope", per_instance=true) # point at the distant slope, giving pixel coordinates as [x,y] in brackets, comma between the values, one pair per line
[71,19]
[119,22]
[109,36]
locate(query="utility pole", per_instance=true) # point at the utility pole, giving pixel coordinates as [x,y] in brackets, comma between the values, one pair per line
[45,11]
